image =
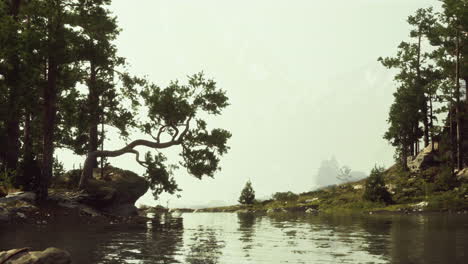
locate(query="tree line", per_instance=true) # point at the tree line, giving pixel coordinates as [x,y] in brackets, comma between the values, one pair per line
[62,82]
[430,69]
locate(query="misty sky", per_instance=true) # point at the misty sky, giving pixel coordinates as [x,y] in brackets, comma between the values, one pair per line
[302,78]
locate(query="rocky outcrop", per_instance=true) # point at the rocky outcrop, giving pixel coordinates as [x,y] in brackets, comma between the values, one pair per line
[113,191]
[16,206]
[462,175]
[24,256]
[423,160]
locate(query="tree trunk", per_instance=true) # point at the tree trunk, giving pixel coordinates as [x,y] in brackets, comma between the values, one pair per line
[93,104]
[452,140]
[466,91]
[49,116]
[26,179]
[404,154]
[50,107]
[422,94]
[14,108]
[457,107]
[412,149]
[431,115]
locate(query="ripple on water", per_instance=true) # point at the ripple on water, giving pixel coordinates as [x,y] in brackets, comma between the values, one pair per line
[247,238]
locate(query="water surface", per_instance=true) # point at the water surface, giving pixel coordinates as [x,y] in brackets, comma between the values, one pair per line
[210,238]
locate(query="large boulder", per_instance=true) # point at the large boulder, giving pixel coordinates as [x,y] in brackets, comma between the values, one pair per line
[24,256]
[462,175]
[113,190]
[424,159]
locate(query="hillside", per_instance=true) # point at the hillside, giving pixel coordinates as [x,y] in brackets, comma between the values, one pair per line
[428,186]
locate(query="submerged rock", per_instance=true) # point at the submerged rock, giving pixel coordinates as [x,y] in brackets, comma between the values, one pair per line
[24,256]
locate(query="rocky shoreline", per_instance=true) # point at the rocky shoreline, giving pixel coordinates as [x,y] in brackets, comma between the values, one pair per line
[111,196]
[26,256]
[109,199]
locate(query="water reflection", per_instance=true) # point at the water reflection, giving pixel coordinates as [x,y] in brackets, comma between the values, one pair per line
[248,238]
[156,242]
[247,231]
[205,247]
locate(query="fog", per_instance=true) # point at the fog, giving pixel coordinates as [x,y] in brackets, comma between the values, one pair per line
[302,78]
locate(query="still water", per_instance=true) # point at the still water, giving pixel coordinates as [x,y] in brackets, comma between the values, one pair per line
[209,238]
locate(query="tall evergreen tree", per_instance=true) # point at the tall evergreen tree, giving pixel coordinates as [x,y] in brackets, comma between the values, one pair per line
[247,195]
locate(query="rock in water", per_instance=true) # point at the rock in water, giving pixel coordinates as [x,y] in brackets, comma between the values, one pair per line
[24,256]
[115,191]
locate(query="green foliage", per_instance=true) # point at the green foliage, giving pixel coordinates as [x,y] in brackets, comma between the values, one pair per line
[7,179]
[285,196]
[58,169]
[451,200]
[445,180]
[375,190]
[159,175]
[247,195]
[174,115]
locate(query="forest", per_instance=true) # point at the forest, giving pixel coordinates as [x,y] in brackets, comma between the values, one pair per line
[430,105]
[62,83]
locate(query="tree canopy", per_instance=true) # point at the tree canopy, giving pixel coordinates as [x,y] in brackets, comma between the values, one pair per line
[62,85]
[430,67]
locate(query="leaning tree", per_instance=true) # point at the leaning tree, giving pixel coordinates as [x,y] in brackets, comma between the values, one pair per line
[175,118]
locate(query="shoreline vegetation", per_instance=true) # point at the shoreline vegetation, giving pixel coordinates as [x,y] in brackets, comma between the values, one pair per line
[427,187]
[347,198]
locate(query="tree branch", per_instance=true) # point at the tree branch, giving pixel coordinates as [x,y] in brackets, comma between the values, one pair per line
[176,132]
[137,158]
[187,127]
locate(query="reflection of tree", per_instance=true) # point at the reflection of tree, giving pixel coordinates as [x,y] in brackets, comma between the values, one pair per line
[377,234]
[99,243]
[205,248]
[246,228]
[429,239]
[156,242]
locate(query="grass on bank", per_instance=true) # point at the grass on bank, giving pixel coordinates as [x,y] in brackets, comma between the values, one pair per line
[434,187]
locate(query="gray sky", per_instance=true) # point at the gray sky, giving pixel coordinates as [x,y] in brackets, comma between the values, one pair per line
[302,79]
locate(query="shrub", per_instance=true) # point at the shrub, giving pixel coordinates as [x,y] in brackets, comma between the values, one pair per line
[375,190]
[285,196]
[447,200]
[247,195]
[6,182]
[445,180]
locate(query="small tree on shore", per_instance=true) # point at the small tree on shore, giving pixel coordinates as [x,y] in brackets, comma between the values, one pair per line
[375,187]
[247,195]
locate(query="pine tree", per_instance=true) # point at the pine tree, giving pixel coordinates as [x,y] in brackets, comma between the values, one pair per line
[375,187]
[248,194]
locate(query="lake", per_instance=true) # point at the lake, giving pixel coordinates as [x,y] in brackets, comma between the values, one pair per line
[210,238]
